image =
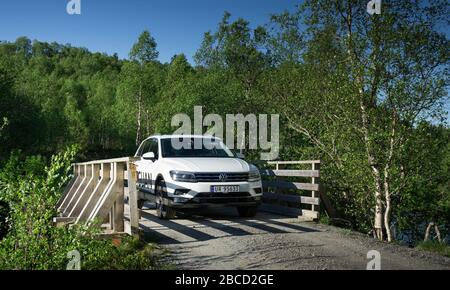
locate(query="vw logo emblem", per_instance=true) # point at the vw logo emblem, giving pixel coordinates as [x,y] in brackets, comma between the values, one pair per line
[223,177]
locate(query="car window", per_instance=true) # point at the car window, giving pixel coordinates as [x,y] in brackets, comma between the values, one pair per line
[153,147]
[144,148]
[209,148]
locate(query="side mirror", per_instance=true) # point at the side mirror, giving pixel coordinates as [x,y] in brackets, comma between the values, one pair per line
[240,155]
[149,156]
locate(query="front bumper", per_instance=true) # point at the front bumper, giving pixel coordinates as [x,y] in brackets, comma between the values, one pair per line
[208,199]
[199,195]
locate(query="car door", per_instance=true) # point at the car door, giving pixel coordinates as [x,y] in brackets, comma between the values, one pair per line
[141,166]
[147,168]
[153,165]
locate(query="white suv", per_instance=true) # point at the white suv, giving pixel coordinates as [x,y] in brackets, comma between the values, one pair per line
[176,179]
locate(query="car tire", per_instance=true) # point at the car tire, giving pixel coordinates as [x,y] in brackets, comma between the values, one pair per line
[162,211]
[247,211]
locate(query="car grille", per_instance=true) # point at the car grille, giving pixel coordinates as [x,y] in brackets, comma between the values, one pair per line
[222,198]
[221,177]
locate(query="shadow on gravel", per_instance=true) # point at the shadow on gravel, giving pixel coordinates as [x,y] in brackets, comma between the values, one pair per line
[234,231]
[292,226]
[190,232]
[226,221]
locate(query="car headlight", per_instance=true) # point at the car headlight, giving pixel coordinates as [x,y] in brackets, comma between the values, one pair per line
[254,176]
[183,176]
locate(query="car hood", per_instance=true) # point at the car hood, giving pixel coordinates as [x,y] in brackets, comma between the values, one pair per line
[208,164]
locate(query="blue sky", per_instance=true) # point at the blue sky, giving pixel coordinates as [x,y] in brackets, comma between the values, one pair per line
[112,26]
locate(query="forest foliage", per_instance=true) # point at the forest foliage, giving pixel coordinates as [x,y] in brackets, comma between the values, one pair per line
[364,93]
[30,189]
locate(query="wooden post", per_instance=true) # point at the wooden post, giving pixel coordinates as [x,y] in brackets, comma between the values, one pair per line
[117,210]
[278,178]
[315,180]
[133,199]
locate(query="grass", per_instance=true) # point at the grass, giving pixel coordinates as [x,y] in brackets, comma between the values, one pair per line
[435,247]
[127,254]
[324,219]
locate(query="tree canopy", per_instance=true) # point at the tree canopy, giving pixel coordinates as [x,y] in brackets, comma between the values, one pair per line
[364,93]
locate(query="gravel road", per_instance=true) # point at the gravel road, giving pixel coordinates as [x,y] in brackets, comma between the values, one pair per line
[220,240]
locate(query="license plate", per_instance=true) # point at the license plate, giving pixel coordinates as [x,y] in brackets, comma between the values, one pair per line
[225,188]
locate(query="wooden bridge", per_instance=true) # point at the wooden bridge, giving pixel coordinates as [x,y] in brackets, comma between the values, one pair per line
[105,191]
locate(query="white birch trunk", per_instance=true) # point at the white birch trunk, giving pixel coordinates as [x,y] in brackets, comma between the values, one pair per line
[139,116]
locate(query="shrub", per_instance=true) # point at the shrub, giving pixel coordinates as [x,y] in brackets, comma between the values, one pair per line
[31,190]
[436,247]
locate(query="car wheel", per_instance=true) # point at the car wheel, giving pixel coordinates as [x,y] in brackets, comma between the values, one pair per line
[247,211]
[162,211]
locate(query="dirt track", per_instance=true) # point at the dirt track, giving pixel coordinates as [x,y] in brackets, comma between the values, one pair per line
[219,239]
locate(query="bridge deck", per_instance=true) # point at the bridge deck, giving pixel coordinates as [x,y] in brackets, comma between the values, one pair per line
[221,240]
[214,223]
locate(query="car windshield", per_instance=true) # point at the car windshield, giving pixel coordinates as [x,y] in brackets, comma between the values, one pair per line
[195,147]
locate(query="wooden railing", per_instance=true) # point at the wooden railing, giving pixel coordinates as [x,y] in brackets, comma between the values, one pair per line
[103,190]
[284,193]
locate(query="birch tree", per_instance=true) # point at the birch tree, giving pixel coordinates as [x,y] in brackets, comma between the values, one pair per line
[142,53]
[375,76]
